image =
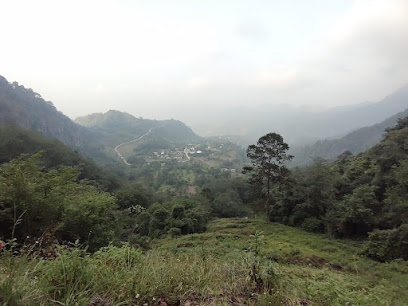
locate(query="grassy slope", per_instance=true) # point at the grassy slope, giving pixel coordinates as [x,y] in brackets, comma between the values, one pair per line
[213,268]
[312,267]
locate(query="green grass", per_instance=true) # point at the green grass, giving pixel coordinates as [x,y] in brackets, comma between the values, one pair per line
[313,267]
[237,261]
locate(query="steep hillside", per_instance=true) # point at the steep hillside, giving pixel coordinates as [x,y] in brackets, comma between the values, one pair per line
[354,142]
[354,195]
[25,108]
[15,141]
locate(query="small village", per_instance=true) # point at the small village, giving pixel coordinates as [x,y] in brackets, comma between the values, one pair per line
[202,152]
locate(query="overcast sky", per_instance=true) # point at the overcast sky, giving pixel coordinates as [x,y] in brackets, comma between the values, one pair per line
[157,59]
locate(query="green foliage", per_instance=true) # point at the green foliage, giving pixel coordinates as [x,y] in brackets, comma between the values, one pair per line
[355,214]
[227,205]
[386,245]
[175,231]
[353,195]
[268,157]
[312,224]
[178,217]
[15,141]
[34,201]
[262,273]
[135,194]
[26,109]
[230,262]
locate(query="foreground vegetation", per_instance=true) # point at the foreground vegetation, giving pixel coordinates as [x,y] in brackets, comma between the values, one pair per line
[232,263]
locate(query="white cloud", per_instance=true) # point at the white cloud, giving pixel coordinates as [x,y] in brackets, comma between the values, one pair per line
[252,31]
[239,52]
[279,79]
[196,82]
[362,58]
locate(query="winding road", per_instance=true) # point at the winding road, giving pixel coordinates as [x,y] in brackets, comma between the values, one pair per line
[186,153]
[125,143]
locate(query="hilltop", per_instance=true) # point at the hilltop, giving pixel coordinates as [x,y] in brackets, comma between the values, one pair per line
[116,127]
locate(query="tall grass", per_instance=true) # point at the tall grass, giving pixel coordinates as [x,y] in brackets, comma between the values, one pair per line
[233,263]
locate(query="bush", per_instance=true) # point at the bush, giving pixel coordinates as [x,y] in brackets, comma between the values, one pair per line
[386,245]
[179,217]
[228,205]
[313,224]
[174,232]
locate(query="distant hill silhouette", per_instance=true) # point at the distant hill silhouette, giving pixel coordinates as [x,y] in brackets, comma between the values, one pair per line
[23,107]
[357,141]
[116,127]
[297,125]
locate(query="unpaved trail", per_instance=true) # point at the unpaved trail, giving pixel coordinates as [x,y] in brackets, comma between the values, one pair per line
[137,139]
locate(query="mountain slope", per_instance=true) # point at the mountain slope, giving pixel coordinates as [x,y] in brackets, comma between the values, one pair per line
[355,142]
[116,127]
[25,108]
[298,125]
[15,141]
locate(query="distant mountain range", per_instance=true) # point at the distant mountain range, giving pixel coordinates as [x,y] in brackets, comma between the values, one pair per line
[355,142]
[298,126]
[354,127]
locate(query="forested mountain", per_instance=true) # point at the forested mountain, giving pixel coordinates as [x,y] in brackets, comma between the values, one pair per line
[96,136]
[354,142]
[15,141]
[116,127]
[22,107]
[354,195]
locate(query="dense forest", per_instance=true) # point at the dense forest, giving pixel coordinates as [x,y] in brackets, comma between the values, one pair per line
[353,196]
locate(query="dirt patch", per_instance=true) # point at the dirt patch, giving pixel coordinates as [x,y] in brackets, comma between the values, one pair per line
[100,301]
[335,266]
[196,299]
[304,302]
[167,302]
[191,189]
[311,261]
[185,245]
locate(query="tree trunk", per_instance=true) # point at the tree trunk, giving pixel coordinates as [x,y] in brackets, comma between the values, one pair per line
[267,203]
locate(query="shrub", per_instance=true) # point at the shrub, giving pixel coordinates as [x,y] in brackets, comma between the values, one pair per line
[228,205]
[386,245]
[187,216]
[313,224]
[174,231]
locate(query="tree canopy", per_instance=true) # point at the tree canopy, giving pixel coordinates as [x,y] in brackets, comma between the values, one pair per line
[268,157]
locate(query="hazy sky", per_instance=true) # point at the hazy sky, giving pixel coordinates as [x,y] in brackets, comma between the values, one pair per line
[162,59]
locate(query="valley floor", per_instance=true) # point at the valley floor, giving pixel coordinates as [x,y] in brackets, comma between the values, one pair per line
[236,262]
